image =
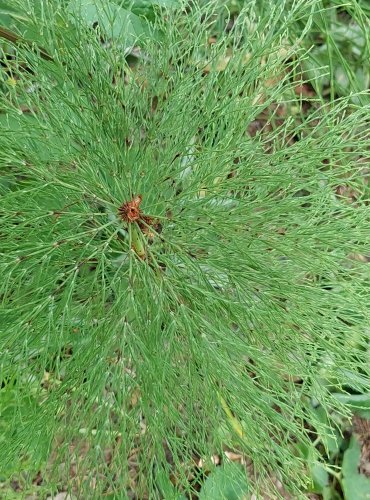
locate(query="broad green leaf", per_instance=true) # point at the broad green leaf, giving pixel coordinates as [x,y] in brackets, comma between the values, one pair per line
[331,440]
[145,4]
[359,402]
[115,21]
[329,493]
[355,486]
[320,477]
[225,483]
[145,8]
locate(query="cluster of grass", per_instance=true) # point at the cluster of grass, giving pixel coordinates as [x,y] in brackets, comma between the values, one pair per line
[231,312]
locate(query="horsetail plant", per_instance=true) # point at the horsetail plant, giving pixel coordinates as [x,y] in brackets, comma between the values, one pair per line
[182,251]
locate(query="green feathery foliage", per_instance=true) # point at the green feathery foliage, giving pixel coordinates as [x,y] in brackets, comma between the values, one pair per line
[231,305]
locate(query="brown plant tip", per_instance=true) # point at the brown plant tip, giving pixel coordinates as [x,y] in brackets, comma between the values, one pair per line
[130,210]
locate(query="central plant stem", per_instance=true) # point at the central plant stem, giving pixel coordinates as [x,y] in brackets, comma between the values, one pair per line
[138,224]
[136,240]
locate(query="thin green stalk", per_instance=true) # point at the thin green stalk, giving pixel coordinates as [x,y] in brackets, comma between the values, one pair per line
[136,238]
